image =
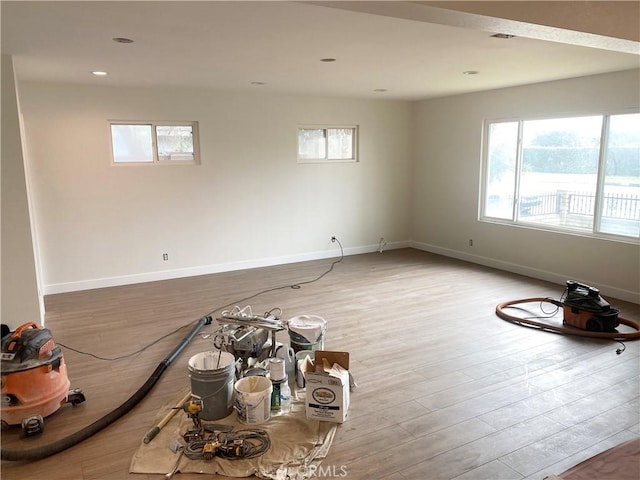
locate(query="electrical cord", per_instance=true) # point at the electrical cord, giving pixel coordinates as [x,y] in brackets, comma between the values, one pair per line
[235,302]
[555,310]
[110,359]
[238,445]
[254,443]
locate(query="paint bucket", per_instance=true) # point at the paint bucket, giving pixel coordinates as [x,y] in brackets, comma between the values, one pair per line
[212,375]
[253,399]
[306,332]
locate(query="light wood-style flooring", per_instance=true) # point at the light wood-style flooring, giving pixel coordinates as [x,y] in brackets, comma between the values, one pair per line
[447,390]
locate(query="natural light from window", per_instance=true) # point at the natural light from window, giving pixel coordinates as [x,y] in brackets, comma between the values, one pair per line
[152,142]
[579,174]
[327,144]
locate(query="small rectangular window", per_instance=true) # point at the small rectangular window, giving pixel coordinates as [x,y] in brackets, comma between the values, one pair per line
[327,144]
[154,142]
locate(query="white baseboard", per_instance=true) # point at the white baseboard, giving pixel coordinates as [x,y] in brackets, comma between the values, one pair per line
[209,269]
[553,277]
[545,275]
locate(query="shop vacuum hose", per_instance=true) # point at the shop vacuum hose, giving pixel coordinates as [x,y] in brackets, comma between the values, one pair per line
[39,453]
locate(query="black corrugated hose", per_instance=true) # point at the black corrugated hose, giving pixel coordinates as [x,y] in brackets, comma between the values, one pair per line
[44,451]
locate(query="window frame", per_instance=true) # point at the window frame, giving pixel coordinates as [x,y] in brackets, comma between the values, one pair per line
[157,160]
[326,159]
[515,220]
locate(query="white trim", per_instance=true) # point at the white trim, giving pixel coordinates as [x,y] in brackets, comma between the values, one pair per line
[32,213]
[66,287]
[553,277]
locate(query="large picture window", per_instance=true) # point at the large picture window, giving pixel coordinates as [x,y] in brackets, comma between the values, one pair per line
[579,174]
[153,142]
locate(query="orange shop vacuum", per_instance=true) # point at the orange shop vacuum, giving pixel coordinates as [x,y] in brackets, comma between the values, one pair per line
[34,378]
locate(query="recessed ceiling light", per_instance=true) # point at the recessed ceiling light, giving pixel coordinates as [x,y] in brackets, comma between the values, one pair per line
[122,40]
[327,60]
[470,72]
[380,90]
[99,73]
[503,35]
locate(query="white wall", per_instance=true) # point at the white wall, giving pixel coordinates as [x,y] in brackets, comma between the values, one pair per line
[448,143]
[249,203]
[19,293]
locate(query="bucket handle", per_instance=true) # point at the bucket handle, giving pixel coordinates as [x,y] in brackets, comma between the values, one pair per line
[24,326]
[200,397]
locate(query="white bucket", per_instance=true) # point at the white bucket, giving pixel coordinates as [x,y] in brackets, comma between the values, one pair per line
[306,332]
[212,375]
[253,399]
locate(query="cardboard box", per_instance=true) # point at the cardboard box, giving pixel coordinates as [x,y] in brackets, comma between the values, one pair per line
[327,383]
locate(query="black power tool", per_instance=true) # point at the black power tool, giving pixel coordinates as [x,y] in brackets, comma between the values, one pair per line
[584,308]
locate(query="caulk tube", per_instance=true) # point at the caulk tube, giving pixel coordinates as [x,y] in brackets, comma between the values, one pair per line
[44,451]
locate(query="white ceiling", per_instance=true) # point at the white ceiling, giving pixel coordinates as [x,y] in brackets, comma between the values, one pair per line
[414,50]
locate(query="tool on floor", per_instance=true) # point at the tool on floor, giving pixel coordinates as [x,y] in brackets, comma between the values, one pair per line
[584,308]
[34,378]
[246,335]
[585,314]
[156,429]
[234,445]
[38,453]
[193,408]
[176,447]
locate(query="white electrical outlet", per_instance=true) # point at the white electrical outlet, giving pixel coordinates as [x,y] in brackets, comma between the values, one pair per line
[165,256]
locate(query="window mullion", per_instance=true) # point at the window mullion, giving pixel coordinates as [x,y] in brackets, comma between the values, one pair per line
[602,165]
[326,144]
[154,142]
[518,170]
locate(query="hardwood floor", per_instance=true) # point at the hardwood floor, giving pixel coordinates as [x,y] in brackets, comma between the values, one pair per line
[446,389]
